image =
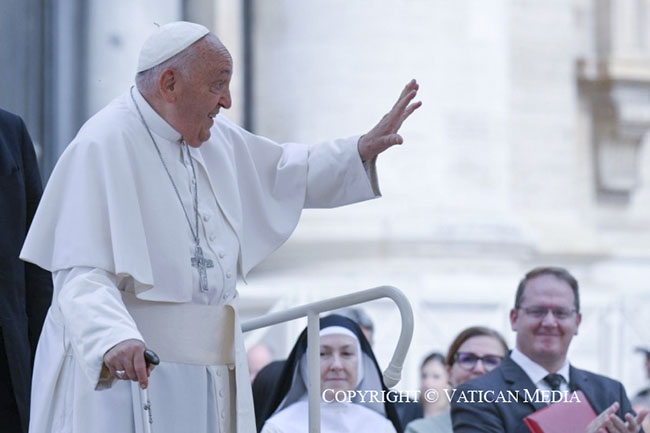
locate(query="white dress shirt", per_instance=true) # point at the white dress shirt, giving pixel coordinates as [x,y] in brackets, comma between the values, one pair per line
[537,373]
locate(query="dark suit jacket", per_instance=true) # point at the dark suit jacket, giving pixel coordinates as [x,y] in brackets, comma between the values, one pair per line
[25,289]
[500,417]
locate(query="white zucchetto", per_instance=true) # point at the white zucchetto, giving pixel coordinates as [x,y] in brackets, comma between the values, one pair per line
[167,41]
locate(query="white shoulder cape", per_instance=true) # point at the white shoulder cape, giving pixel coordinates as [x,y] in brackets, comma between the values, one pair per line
[109,204]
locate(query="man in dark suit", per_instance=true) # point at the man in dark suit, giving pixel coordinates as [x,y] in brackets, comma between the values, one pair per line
[545,317]
[25,289]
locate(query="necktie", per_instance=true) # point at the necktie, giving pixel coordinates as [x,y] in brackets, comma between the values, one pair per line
[554,380]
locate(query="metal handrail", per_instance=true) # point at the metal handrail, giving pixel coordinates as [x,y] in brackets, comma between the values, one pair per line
[392,374]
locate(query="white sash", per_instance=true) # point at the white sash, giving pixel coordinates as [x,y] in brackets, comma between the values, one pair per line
[185,333]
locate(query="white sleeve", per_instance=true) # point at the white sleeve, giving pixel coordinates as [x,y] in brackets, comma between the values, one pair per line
[94,317]
[336,176]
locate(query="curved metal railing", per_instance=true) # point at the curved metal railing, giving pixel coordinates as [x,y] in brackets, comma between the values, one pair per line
[393,372]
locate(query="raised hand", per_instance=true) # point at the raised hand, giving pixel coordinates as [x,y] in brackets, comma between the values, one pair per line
[384,134]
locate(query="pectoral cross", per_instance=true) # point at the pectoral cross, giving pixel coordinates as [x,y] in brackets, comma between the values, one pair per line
[200,262]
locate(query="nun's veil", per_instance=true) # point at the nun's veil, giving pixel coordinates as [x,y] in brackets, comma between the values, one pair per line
[291,385]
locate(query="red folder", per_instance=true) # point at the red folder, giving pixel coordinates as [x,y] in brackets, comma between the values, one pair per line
[562,417]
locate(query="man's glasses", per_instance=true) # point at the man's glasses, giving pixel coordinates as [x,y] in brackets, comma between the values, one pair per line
[541,312]
[468,360]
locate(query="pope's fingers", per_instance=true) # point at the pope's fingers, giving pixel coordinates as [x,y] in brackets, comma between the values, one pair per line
[405,114]
[410,109]
[140,368]
[123,356]
[411,85]
[393,120]
[130,370]
[408,89]
[115,367]
[403,102]
[390,140]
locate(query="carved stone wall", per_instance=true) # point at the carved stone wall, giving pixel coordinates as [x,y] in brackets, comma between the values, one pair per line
[613,72]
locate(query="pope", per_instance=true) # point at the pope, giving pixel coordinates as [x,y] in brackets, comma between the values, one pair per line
[149,216]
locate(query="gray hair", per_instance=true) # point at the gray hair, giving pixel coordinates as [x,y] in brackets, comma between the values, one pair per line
[147,81]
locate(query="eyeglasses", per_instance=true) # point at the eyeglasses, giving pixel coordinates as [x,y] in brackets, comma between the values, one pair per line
[541,312]
[468,360]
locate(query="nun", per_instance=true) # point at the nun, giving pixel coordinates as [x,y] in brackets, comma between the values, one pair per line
[347,364]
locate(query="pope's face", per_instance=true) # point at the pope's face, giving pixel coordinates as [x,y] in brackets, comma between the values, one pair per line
[545,339]
[338,362]
[205,89]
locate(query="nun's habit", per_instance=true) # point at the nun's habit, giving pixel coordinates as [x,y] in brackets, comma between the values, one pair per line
[287,408]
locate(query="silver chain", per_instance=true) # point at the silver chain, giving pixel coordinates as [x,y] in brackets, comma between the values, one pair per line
[195,234]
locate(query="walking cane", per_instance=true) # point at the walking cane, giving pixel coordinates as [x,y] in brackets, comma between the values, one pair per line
[150,358]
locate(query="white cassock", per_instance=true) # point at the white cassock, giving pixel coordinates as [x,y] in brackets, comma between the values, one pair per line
[110,224]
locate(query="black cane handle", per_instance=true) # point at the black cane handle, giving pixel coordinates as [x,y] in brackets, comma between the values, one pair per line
[150,357]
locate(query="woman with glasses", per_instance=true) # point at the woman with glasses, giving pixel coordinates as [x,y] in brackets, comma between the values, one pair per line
[474,352]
